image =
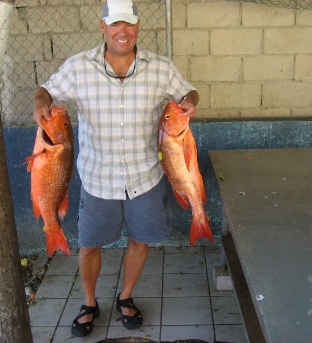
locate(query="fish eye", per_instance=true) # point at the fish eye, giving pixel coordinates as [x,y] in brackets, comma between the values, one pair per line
[66,124]
[167,116]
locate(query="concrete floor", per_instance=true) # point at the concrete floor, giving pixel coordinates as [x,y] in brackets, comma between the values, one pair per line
[175,294]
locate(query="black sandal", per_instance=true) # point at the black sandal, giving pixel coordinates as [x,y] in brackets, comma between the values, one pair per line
[84,329]
[130,322]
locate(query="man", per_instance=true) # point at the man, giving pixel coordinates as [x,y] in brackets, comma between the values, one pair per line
[119,90]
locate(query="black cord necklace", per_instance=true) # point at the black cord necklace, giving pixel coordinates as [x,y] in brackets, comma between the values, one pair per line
[119,77]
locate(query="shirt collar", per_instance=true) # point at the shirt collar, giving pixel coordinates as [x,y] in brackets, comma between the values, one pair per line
[97,54]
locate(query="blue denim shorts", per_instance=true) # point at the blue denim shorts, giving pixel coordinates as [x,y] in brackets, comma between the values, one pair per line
[100,221]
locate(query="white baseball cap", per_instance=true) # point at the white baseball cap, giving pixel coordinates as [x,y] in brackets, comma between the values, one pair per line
[120,10]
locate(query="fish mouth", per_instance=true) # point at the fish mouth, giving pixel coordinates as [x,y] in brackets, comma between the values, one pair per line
[51,134]
[46,138]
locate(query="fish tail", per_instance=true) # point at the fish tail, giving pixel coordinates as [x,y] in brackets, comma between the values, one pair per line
[56,240]
[200,228]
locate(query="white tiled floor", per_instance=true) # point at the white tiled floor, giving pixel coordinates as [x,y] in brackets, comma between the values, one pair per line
[175,294]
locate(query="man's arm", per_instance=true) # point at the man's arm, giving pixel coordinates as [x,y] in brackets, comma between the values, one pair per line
[42,102]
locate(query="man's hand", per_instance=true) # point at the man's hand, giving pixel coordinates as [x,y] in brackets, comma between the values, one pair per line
[41,111]
[188,107]
[188,104]
[42,103]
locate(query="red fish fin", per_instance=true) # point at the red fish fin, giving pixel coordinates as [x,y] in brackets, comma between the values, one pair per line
[30,159]
[160,136]
[200,228]
[189,148]
[56,240]
[36,210]
[181,200]
[188,151]
[63,207]
[203,191]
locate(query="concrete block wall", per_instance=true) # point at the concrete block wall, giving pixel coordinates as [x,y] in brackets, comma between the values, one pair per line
[247,60]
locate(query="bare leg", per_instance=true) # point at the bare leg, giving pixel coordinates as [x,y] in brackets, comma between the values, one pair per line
[134,262]
[89,267]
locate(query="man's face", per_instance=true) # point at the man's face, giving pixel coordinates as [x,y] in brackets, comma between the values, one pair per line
[121,36]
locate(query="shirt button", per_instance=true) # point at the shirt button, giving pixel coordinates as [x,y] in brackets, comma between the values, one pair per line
[121,124]
[122,140]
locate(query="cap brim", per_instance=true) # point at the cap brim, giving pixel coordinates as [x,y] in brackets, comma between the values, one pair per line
[129,18]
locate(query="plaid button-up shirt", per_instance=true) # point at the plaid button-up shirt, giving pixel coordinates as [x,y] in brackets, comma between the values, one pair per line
[117,120]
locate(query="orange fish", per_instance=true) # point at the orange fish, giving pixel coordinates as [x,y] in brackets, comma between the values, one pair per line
[178,156]
[51,167]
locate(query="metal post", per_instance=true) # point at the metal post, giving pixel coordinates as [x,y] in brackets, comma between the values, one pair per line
[169,29]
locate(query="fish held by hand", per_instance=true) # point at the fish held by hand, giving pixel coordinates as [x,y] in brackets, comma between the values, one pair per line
[177,153]
[51,167]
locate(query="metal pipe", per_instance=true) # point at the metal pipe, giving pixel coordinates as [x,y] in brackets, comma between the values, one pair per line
[169,29]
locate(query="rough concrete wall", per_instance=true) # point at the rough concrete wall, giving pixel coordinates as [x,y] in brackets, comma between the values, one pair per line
[247,60]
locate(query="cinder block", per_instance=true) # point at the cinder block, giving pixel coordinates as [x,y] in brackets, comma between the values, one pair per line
[152,15]
[18,106]
[216,68]
[303,67]
[213,14]
[270,112]
[161,42]
[222,280]
[90,17]
[294,40]
[24,75]
[186,42]
[25,48]
[271,67]
[66,45]
[217,113]
[182,63]
[282,94]
[236,41]
[46,68]
[21,3]
[204,95]
[18,22]
[235,95]
[178,15]
[54,19]
[304,17]
[302,112]
[256,15]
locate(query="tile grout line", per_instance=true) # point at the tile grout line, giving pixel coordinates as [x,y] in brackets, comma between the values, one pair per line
[210,295]
[115,294]
[162,293]
[58,322]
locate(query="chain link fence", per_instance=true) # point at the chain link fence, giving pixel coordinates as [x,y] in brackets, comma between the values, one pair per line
[42,37]
[296,4]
